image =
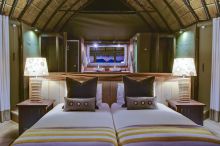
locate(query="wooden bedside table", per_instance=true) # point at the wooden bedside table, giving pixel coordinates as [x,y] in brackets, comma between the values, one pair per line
[192,110]
[30,112]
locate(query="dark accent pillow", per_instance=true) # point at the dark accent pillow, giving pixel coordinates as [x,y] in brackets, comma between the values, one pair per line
[138,88]
[136,103]
[86,89]
[79,104]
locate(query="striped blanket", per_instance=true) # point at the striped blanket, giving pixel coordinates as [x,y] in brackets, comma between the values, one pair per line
[68,137]
[166,136]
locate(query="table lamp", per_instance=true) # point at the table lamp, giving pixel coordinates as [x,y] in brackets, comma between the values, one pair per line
[184,67]
[35,67]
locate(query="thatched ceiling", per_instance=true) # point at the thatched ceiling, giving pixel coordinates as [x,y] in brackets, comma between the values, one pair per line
[158,15]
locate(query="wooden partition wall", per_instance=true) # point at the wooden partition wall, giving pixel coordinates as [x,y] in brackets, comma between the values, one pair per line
[54,86]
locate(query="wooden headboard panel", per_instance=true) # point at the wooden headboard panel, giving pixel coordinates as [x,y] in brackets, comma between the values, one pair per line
[54,86]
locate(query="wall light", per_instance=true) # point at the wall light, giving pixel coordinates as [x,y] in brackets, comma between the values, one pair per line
[36,30]
[203,26]
[181,31]
[14,25]
[95,45]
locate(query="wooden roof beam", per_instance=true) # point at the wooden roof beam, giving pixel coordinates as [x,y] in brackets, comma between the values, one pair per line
[66,12]
[154,21]
[53,14]
[217,7]
[15,2]
[138,13]
[41,12]
[206,9]
[2,7]
[29,2]
[188,5]
[83,6]
[174,13]
[161,16]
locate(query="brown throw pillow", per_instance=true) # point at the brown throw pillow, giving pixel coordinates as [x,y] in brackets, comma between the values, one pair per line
[138,88]
[136,103]
[79,104]
[85,89]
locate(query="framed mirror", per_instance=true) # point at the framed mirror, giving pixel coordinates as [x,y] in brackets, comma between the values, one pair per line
[107,55]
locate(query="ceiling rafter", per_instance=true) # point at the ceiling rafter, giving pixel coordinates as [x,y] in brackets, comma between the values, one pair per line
[138,13]
[217,5]
[15,2]
[174,13]
[83,6]
[28,4]
[160,15]
[188,5]
[66,12]
[54,13]
[206,9]
[41,12]
[2,6]
[154,21]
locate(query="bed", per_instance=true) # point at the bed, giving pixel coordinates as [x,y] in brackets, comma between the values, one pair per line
[71,129]
[158,127]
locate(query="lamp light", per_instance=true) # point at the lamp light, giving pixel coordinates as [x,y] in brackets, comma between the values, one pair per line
[184,67]
[35,67]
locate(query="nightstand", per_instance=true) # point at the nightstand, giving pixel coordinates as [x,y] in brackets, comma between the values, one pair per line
[30,112]
[192,110]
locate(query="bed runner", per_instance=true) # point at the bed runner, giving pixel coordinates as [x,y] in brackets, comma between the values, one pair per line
[72,135]
[176,135]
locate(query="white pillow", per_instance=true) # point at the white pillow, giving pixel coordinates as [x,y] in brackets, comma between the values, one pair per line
[99,94]
[120,94]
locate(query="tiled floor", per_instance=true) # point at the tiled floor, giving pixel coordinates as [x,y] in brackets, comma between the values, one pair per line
[9,131]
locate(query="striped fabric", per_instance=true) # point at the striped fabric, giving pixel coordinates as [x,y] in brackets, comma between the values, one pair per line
[72,135]
[172,135]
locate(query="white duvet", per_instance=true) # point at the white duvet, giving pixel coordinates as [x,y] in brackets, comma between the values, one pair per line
[160,116]
[60,119]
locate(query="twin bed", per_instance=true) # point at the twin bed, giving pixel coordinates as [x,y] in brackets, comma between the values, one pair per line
[159,127]
[116,126]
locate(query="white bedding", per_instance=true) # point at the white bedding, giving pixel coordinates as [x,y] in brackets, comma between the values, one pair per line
[160,116]
[59,128]
[60,119]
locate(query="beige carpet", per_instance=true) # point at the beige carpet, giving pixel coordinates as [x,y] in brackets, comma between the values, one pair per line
[212,126]
[9,131]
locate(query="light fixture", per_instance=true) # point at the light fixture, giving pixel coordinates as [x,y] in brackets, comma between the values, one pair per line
[36,30]
[184,67]
[35,67]
[203,26]
[95,45]
[14,25]
[181,31]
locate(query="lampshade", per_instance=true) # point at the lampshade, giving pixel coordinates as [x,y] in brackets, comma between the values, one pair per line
[36,67]
[184,67]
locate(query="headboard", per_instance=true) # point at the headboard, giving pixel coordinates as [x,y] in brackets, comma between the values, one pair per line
[54,86]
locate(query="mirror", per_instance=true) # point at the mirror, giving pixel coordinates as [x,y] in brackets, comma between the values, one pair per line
[107,55]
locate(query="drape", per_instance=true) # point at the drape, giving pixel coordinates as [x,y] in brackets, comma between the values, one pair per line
[215,79]
[4,69]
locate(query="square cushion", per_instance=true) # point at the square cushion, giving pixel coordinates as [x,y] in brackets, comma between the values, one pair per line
[86,89]
[138,88]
